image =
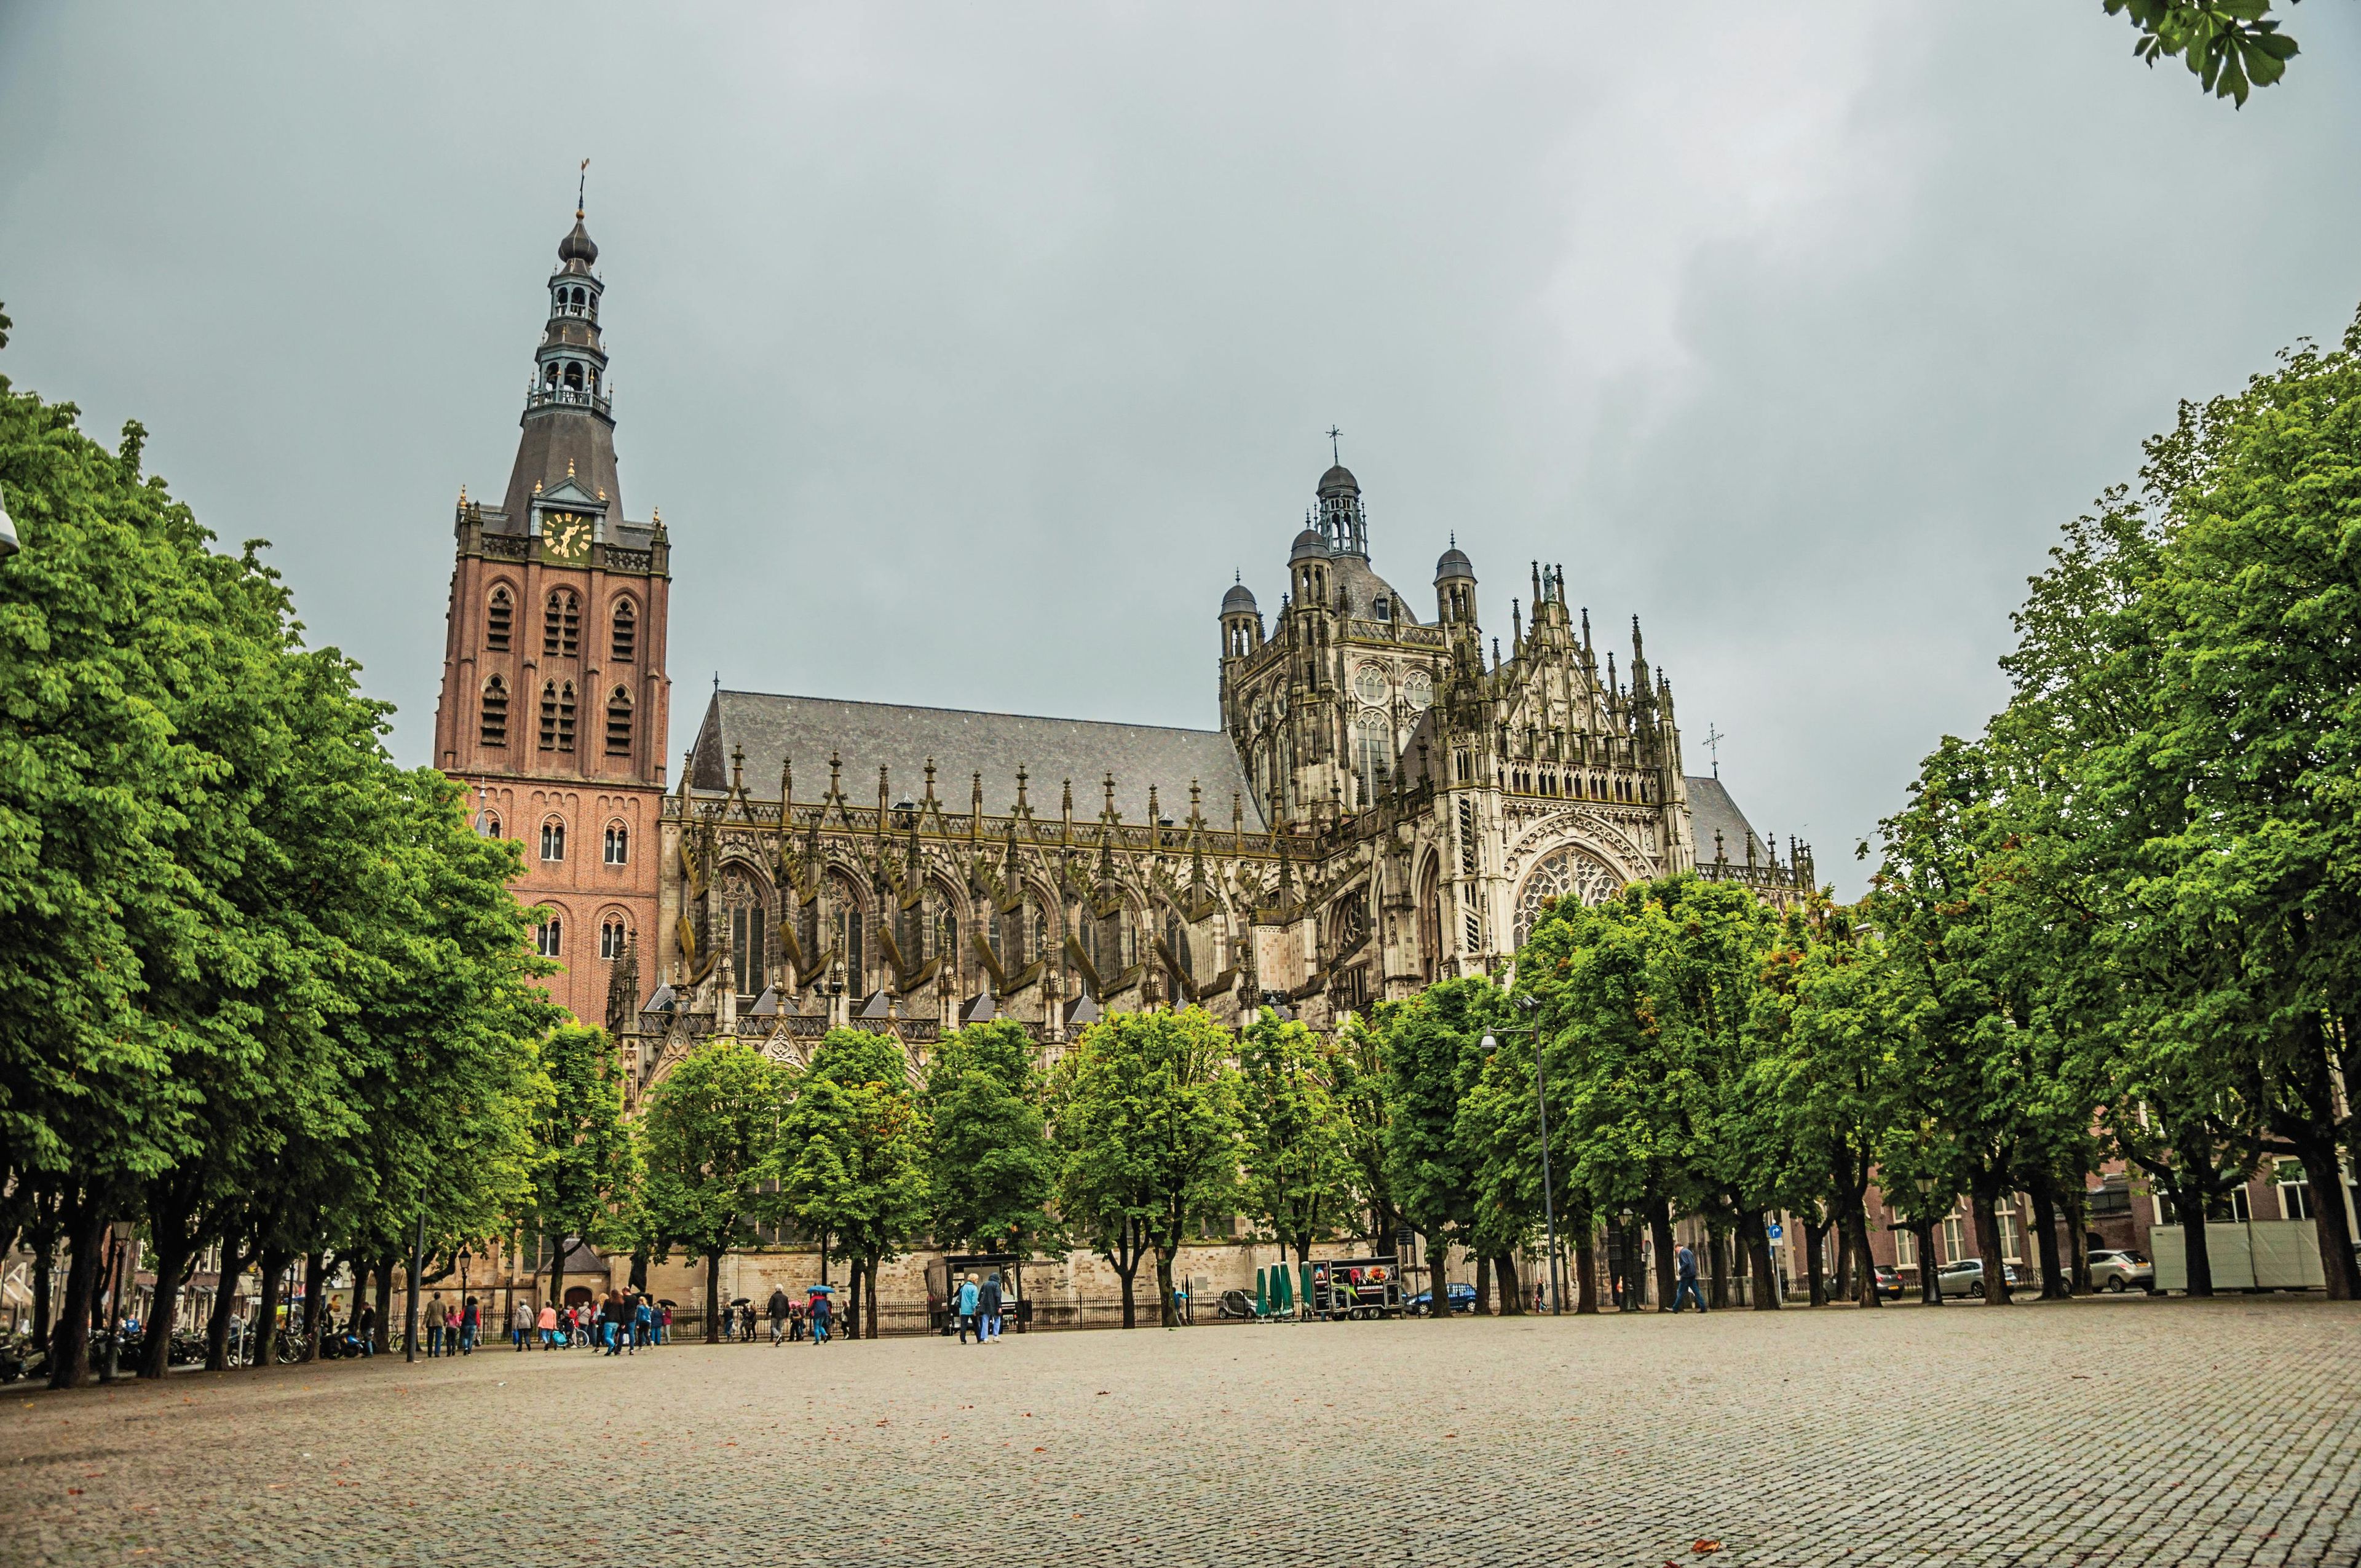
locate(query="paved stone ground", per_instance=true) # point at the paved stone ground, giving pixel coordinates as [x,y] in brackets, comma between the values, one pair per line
[2124,1431]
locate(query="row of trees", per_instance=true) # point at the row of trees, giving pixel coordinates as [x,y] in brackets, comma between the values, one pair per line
[258,986]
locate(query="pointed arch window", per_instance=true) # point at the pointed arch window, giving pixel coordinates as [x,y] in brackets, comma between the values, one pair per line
[1176,941]
[749,947]
[499,615]
[1373,756]
[561,624]
[493,728]
[552,839]
[549,939]
[566,717]
[549,715]
[626,631]
[619,723]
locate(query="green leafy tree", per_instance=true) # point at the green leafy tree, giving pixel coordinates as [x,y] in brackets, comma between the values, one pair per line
[990,1167]
[712,1136]
[850,1156]
[587,1170]
[1297,1165]
[1143,1114]
[2230,46]
[1430,1045]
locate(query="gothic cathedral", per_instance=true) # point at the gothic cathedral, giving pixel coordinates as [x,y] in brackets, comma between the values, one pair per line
[1389,798]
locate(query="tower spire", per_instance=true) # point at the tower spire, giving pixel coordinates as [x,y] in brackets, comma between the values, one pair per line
[581,188]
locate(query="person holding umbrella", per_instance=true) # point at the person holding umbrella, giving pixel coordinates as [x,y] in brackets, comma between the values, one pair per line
[819,1312]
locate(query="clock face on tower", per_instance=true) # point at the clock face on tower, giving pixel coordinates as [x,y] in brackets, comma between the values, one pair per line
[565,536]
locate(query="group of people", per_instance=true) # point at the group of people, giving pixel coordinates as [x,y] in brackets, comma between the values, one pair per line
[790,1319]
[978,1305]
[452,1328]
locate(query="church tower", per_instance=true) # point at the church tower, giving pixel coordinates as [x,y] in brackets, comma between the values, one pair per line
[554,696]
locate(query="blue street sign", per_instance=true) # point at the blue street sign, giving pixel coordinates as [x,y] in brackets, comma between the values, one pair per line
[1775,1229]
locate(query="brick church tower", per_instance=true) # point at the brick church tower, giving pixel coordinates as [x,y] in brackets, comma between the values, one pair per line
[554,689]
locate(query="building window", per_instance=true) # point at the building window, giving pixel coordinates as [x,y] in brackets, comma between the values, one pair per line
[552,839]
[2230,1208]
[547,939]
[627,631]
[619,723]
[1955,1244]
[618,844]
[747,950]
[549,715]
[561,624]
[496,617]
[1373,756]
[491,824]
[611,939]
[848,939]
[1905,1249]
[566,717]
[2009,1250]
[2295,1190]
[494,729]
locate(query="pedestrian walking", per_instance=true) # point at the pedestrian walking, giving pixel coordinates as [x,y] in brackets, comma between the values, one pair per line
[435,1326]
[819,1312]
[1685,1266]
[795,1321]
[521,1324]
[987,1309]
[663,1323]
[365,1328]
[776,1308]
[548,1325]
[471,1320]
[610,1322]
[969,1294]
[643,1320]
[1538,1305]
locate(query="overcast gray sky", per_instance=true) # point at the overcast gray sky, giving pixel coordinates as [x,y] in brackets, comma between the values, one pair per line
[969,350]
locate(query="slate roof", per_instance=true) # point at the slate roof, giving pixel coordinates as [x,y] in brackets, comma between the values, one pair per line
[1712,811]
[1050,750]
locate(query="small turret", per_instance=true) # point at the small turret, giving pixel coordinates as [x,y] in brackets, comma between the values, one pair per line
[1454,587]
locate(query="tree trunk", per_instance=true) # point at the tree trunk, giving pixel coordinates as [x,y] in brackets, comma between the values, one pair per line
[315,1301]
[381,1335]
[1853,1221]
[2328,1221]
[713,1303]
[265,1348]
[1766,1267]
[1717,1248]
[1619,1261]
[2196,1250]
[69,1346]
[2054,1287]
[872,1298]
[1660,1231]
[1438,1290]
[1483,1267]
[1512,1290]
[1983,1202]
[1586,1273]
[1165,1316]
[234,1260]
[639,1280]
[174,1254]
[2077,1241]
[1815,1238]
[557,1276]
[1130,1315]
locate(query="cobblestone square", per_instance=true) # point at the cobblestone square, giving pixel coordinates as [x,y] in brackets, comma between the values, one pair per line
[2114,1432]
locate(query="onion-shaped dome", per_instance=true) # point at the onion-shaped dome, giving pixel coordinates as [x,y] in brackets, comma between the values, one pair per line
[577,245]
[1455,563]
[1339,481]
[1309,546]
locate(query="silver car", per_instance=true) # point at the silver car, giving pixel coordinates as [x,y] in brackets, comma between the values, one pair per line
[2121,1271]
[1965,1277]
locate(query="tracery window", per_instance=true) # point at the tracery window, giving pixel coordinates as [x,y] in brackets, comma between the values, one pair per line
[1373,754]
[498,615]
[494,729]
[552,839]
[627,631]
[561,624]
[1176,940]
[1568,871]
[749,954]
[619,723]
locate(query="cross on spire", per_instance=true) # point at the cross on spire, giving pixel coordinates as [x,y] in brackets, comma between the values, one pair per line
[1713,739]
[1334,455]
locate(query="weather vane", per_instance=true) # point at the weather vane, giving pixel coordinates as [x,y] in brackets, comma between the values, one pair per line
[581,188]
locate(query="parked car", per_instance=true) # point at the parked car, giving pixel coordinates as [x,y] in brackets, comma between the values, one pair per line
[1965,1277]
[1889,1284]
[1463,1300]
[2121,1271]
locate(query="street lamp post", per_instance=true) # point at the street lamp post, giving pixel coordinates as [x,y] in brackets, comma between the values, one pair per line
[1549,1203]
[1930,1288]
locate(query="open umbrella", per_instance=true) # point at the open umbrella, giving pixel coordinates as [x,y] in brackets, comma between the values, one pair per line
[820,1289]
[667,1301]
[742,1302]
